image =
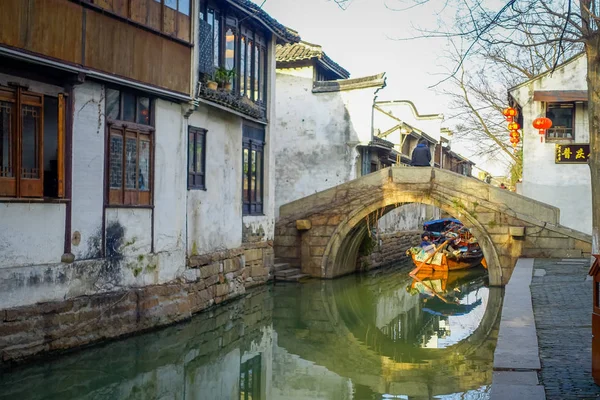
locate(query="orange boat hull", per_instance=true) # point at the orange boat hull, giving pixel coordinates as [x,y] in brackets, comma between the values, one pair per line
[448,264]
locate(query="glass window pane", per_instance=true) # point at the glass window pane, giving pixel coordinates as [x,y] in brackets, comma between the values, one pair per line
[248,69]
[245,183]
[184,7]
[253,178]
[128,107]
[259,177]
[30,142]
[199,153]
[130,163]
[229,48]
[144,169]
[143,110]
[171,4]
[116,162]
[6,140]
[243,66]
[191,152]
[256,72]
[112,103]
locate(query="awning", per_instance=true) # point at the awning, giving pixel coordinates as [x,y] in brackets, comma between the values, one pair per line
[558,96]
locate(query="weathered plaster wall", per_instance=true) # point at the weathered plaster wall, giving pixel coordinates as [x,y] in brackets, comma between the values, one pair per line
[316,134]
[215,214]
[32,249]
[171,180]
[88,170]
[566,186]
[31,234]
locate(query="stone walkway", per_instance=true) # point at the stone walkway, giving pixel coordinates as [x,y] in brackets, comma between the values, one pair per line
[561,294]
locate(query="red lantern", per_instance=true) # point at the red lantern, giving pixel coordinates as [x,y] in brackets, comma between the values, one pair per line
[509,113]
[542,124]
[513,126]
[514,141]
[515,134]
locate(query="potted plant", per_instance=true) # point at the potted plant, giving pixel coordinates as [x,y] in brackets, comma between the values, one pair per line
[212,83]
[224,77]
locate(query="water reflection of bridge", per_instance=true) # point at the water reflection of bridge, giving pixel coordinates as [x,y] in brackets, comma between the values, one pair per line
[352,337]
[321,340]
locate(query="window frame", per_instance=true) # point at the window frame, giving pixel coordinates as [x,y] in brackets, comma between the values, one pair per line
[253,205]
[18,186]
[193,175]
[250,33]
[552,133]
[116,127]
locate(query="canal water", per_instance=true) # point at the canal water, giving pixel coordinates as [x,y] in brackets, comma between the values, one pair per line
[380,335]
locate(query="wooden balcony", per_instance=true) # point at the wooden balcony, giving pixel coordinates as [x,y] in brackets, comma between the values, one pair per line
[83,34]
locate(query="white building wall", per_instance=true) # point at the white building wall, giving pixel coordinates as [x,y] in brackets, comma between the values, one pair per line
[32,244]
[215,214]
[566,186]
[316,135]
[88,170]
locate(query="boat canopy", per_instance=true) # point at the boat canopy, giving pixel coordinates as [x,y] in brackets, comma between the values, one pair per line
[438,225]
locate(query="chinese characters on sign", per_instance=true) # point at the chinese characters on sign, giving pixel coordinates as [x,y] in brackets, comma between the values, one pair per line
[572,153]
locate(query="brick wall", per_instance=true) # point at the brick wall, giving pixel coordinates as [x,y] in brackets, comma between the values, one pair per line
[209,279]
[391,249]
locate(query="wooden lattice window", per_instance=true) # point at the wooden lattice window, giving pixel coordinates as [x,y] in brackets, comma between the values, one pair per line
[24,155]
[130,149]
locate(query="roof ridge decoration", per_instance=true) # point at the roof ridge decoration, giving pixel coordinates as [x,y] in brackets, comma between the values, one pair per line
[412,107]
[256,12]
[364,82]
[302,50]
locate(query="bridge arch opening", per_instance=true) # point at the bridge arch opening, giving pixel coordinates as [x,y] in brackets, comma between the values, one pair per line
[342,251]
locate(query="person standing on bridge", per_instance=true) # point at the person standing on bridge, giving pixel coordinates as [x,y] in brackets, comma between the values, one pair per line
[421,156]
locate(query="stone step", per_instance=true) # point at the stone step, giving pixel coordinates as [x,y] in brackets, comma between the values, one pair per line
[287,272]
[280,266]
[294,278]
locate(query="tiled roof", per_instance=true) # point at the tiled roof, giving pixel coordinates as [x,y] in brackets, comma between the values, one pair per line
[308,51]
[260,15]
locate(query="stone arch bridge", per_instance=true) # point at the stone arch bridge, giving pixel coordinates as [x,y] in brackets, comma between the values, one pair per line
[322,233]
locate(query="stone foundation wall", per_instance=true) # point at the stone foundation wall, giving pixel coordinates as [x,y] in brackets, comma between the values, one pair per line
[210,279]
[390,249]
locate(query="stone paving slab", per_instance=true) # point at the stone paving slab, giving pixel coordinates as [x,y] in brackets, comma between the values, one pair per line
[515,378]
[517,392]
[562,304]
[517,347]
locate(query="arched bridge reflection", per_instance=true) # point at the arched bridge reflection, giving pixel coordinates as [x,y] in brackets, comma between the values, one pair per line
[394,335]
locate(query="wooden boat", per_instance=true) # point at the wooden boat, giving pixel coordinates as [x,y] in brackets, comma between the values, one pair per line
[441,262]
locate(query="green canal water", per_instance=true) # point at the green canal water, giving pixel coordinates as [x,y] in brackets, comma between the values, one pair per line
[378,335]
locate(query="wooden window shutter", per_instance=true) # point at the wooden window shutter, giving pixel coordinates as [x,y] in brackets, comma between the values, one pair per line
[61,146]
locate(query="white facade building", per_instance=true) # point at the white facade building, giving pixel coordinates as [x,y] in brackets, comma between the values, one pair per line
[141,182]
[565,183]
[323,129]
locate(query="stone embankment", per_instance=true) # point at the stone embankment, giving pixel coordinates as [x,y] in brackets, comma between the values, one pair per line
[390,248]
[210,279]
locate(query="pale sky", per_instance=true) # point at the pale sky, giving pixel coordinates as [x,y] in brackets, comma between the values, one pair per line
[361,39]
